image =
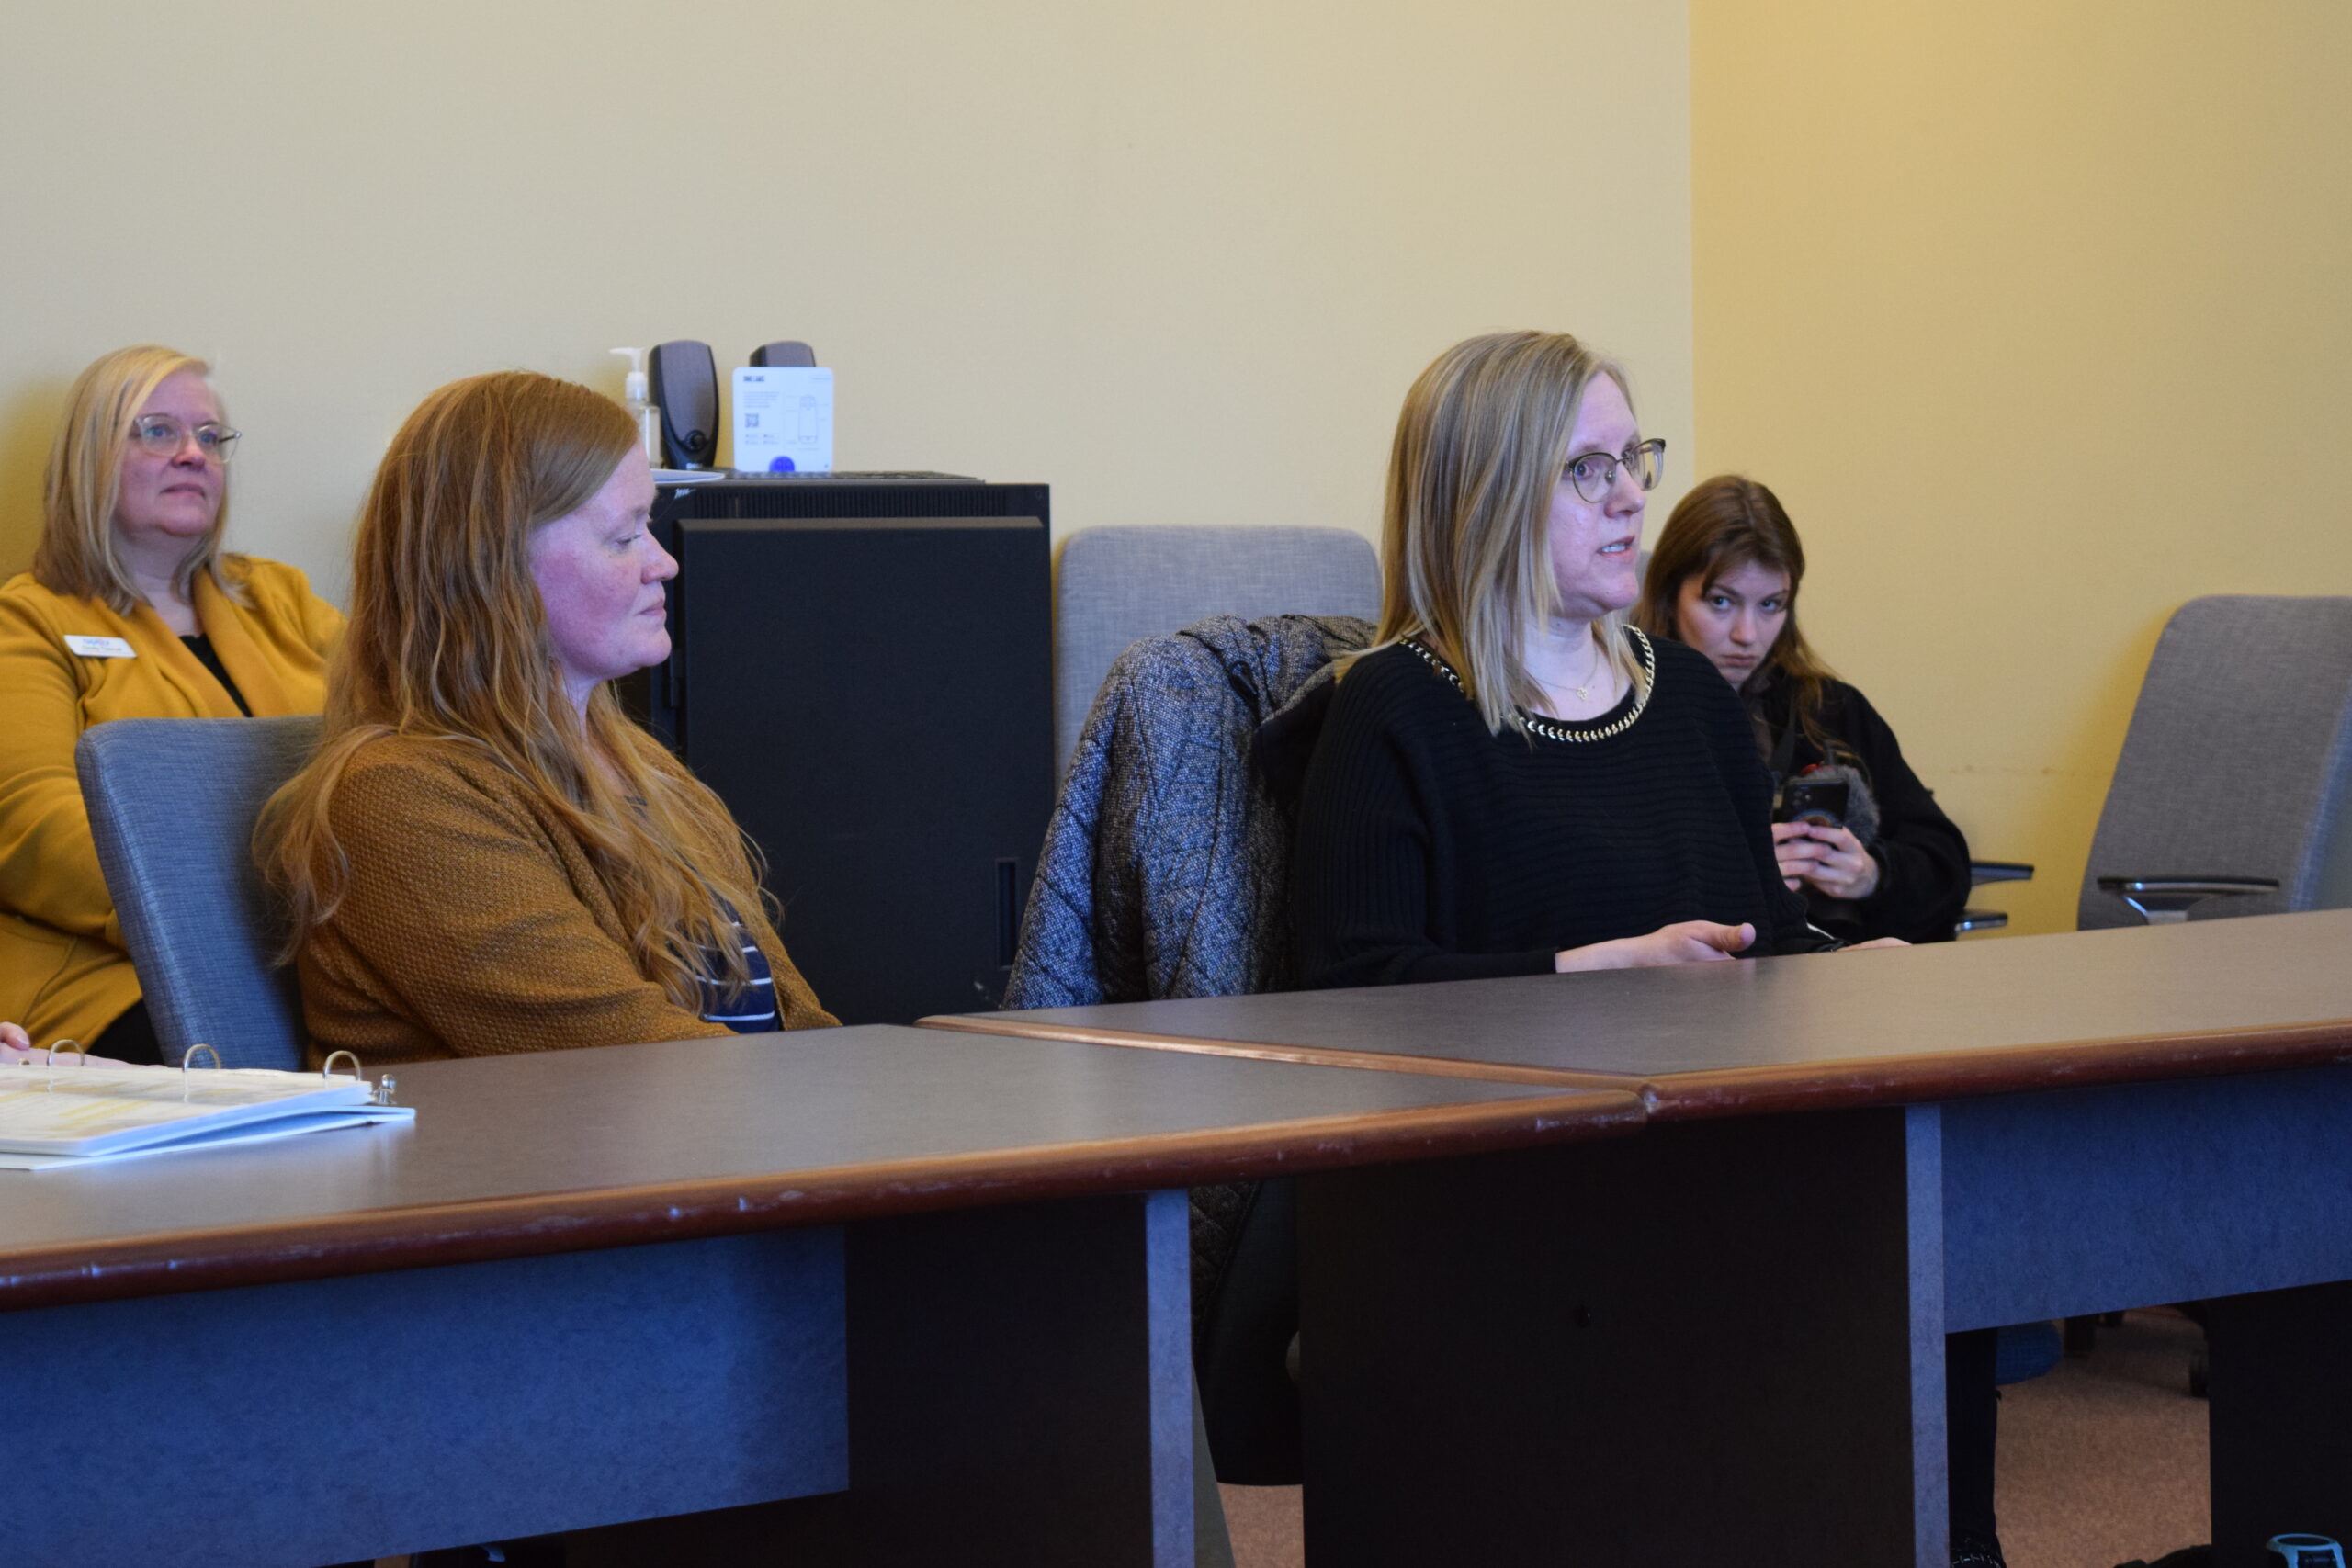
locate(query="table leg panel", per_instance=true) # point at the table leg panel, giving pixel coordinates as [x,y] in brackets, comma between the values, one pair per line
[2095,1200]
[1021,1386]
[381,1413]
[1692,1345]
[1930,1435]
[2281,1388]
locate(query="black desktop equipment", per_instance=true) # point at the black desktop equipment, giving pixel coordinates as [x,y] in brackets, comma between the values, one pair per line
[861,668]
[788,353]
[682,380]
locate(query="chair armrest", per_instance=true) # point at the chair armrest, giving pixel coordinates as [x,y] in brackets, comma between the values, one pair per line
[1979,920]
[1981,871]
[2165,900]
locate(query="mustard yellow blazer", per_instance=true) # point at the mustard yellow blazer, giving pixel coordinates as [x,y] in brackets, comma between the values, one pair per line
[63,968]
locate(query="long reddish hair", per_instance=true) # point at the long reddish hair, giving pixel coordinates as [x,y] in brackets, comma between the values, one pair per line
[449,640]
[1726,522]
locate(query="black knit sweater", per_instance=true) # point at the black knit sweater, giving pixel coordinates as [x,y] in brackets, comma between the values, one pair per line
[1429,849]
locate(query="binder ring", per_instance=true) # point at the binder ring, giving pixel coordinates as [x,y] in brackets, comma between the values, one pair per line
[49,1080]
[187,1060]
[327,1071]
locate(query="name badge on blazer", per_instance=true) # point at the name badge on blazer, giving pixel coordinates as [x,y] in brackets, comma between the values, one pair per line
[101,647]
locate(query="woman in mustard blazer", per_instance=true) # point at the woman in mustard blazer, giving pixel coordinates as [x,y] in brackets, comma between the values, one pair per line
[132,611]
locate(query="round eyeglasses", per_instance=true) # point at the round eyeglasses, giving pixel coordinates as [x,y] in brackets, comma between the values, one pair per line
[160,435]
[1595,473]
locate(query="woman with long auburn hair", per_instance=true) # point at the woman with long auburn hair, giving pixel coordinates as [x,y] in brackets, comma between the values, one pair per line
[133,609]
[1512,780]
[486,854]
[1723,579]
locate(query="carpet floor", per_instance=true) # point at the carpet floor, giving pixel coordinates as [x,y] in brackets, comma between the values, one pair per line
[2101,1461]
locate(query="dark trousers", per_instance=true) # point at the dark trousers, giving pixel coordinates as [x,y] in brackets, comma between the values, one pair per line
[1972,1419]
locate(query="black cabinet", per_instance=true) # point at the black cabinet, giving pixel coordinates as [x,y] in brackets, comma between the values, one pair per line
[871,694]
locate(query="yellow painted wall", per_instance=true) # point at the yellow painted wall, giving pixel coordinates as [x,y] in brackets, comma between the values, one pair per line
[2034,315]
[2039,318]
[1180,259]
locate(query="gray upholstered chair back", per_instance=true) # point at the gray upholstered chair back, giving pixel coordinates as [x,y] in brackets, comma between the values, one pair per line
[1118,584]
[2235,762]
[172,806]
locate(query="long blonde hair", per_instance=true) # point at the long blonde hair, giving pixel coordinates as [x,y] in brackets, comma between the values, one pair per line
[78,554]
[449,640]
[1466,547]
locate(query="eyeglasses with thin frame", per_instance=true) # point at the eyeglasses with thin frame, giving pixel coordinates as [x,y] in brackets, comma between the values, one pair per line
[1595,473]
[160,435]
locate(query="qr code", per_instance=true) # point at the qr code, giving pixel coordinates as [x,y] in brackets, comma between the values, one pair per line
[751,421]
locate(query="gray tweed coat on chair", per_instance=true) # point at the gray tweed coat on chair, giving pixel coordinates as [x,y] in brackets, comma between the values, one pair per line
[1166,866]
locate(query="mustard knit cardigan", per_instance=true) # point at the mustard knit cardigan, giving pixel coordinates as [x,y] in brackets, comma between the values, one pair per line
[62,969]
[473,923]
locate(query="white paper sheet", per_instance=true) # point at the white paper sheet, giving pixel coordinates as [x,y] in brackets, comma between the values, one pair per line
[784,419]
[76,1109]
[249,1132]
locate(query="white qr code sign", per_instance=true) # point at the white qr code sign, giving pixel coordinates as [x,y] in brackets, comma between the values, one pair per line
[784,419]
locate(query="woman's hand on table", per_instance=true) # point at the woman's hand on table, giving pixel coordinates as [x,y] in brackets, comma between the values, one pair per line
[16,1050]
[1685,941]
[1830,860]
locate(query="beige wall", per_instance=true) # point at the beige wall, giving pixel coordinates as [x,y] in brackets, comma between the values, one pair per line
[2037,319]
[1178,260]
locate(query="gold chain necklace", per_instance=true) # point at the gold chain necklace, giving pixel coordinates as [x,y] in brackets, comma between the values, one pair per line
[1550,729]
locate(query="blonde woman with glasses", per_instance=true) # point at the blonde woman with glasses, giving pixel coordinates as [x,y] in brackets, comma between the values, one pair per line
[1513,780]
[132,610]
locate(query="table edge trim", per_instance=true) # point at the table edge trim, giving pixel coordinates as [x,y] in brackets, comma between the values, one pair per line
[430,1236]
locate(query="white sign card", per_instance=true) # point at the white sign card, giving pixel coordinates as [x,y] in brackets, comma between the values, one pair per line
[784,419]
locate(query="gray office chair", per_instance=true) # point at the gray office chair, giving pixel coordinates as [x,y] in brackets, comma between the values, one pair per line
[172,804]
[2228,791]
[1981,871]
[2227,794]
[1116,585]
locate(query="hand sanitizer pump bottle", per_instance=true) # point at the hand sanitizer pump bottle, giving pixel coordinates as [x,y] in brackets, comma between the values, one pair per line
[647,417]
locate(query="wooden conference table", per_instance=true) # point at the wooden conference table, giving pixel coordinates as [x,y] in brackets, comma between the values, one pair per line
[597,1286]
[1721,1340]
